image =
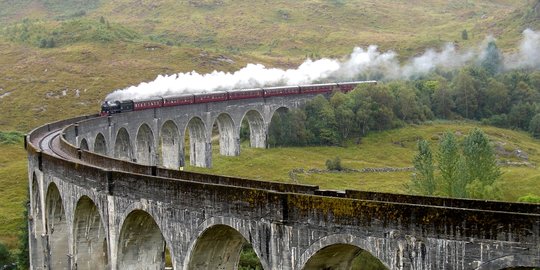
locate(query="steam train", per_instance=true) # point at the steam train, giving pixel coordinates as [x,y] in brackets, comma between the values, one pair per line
[119,106]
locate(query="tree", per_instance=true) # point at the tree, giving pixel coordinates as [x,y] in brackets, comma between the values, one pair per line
[534,126]
[344,114]
[464,34]
[406,105]
[453,178]
[321,121]
[497,99]
[521,114]
[492,58]
[465,92]
[481,165]
[423,181]
[442,103]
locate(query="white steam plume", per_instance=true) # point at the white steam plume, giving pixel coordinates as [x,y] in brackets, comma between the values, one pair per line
[367,63]
[528,55]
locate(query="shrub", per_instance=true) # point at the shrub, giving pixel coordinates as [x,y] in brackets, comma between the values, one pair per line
[10,137]
[334,165]
[5,256]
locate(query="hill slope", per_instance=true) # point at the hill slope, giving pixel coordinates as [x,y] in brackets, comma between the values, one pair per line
[99,46]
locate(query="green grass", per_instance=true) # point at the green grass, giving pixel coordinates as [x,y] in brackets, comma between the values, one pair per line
[393,148]
[13,192]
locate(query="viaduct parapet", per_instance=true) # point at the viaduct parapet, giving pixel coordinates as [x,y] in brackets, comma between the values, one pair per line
[104,194]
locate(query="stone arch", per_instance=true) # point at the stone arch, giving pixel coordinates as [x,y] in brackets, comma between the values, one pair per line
[199,150]
[100,144]
[90,249]
[171,146]
[57,229]
[145,150]
[229,140]
[122,145]
[257,129]
[217,247]
[84,145]
[278,129]
[38,229]
[334,252]
[141,244]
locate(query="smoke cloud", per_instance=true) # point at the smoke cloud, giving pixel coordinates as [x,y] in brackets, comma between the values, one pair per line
[528,55]
[361,64]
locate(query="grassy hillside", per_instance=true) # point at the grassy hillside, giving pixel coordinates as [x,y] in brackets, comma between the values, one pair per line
[98,46]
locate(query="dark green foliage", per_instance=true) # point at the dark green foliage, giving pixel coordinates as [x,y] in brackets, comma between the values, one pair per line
[466,94]
[23,257]
[534,126]
[244,130]
[500,120]
[334,164]
[464,34]
[5,256]
[506,100]
[249,259]
[10,137]
[521,115]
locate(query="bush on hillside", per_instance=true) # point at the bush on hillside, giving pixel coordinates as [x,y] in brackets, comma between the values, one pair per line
[10,137]
[334,164]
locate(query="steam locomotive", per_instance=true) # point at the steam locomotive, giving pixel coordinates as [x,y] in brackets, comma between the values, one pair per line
[120,106]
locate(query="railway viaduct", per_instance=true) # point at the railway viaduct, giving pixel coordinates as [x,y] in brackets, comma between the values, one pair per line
[105,194]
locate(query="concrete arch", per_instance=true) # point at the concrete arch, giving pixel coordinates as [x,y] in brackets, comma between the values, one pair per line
[171,146]
[90,247]
[257,128]
[57,229]
[229,139]
[100,144]
[141,244]
[144,146]
[84,145]
[217,247]
[335,251]
[278,129]
[199,147]
[279,109]
[37,227]
[122,145]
